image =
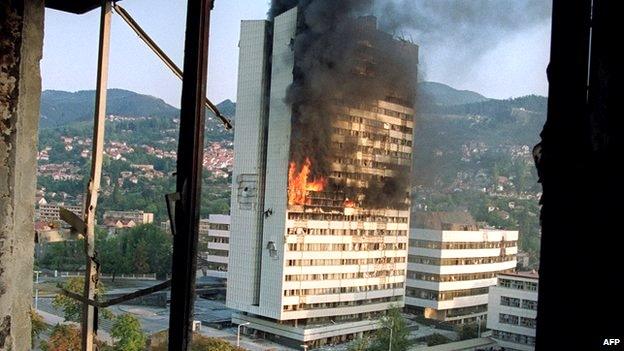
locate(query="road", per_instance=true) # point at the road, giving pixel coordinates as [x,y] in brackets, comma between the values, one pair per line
[154,320]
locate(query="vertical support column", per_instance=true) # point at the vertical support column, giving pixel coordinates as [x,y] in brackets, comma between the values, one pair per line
[89,313]
[189,173]
[21,41]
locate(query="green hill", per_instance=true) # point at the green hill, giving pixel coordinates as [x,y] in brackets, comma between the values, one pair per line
[438,94]
[59,108]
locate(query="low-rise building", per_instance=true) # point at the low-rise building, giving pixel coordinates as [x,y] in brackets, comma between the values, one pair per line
[452,263]
[51,211]
[213,245]
[216,246]
[126,219]
[512,310]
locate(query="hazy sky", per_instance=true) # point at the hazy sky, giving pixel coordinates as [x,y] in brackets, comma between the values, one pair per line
[513,65]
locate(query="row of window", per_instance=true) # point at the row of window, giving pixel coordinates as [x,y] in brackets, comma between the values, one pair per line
[353,232]
[375,123]
[341,290]
[340,276]
[443,295]
[427,244]
[513,337]
[516,320]
[347,247]
[219,226]
[517,284]
[376,151]
[213,252]
[359,175]
[364,163]
[218,240]
[325,305]
[431,277]
[464,311]
[345,262]
[459,261]
[515,302]
[383,111]
[299,216]
[385,139]
[342,318]
[212,266]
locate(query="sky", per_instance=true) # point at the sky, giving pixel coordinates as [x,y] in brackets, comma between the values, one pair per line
[512,65]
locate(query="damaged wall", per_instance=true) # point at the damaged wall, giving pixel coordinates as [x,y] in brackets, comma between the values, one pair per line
[21,41]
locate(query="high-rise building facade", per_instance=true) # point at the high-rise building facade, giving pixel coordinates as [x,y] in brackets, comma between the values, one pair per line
[314,259]
[512,310]
[453,263]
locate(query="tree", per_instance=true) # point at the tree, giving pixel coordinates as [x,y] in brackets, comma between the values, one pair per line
[140,263]
[437,339]
[38,326]
[66,337]
[360,344]
[202,343]
[127,331]
[72,309]
[468,331]
[393,320]
[63,338]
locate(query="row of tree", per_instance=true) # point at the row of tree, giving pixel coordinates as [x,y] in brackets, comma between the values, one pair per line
[139,250]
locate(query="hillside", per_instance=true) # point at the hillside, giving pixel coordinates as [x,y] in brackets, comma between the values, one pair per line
[60,108]
[438,94]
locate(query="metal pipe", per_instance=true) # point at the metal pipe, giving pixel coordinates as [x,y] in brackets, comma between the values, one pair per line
[164,58]
[189,173]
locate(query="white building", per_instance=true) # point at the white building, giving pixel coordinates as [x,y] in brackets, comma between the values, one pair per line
[214,244]
[126,219]
[50,211]
[512,310]
[323,269]
[453,263]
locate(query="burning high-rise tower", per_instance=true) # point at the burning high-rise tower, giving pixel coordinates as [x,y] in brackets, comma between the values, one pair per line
[320,193]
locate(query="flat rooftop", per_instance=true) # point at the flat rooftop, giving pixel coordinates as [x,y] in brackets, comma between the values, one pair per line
[527,274]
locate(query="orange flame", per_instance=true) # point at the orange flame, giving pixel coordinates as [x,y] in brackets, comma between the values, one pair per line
[299,185]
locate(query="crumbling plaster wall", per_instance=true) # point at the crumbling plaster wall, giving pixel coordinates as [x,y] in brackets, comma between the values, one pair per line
[21,41]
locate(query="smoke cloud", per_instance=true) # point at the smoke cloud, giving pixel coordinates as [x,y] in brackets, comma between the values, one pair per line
[460,32]
[342,60]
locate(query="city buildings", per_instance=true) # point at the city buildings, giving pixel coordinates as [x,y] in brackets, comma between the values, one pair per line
[114,220]
[453,263]
[214,242]
[314,259]
[50,211]
[214,245]
[512,309]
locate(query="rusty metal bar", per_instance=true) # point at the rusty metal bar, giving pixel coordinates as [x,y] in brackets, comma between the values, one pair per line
[118,300]
[89,313]
[164,58]
[189,173]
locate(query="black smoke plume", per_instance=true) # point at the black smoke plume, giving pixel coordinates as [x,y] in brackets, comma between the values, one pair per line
[341,59]
[469,27]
